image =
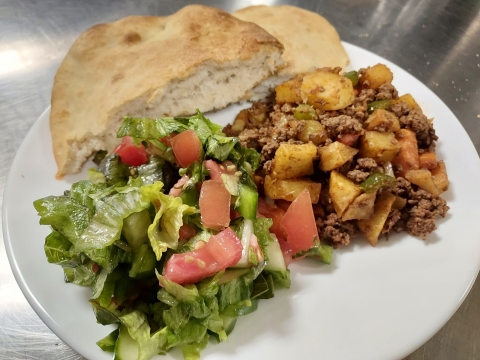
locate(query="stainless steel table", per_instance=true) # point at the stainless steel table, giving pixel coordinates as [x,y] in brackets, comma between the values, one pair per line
[438,41]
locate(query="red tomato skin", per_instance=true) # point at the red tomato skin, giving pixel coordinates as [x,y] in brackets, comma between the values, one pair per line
[186,146]
[214,203]
[275,213]
[299,223]
[221,251]
[176,190]
[348,139]
[131,154]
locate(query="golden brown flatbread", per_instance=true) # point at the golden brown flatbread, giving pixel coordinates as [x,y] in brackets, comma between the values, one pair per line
[310,41]
[199,57]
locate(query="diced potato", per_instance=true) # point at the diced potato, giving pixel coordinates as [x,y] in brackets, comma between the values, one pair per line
[423,179]
[440,177]
[289,91]
[409,100]
[379,146]
[407,158]
[240,121]
[292,161]
[314,132]
[376,75]
[382,120]
[343,192]
[325,90]
[371,228]
[335,155]
[427,160]
[399,203]
[361,207]
[289,189]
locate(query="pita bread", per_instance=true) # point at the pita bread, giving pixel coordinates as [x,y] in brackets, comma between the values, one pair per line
[310,41]
[199,57]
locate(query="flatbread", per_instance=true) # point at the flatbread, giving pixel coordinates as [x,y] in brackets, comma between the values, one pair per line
[310,41]
[199,57]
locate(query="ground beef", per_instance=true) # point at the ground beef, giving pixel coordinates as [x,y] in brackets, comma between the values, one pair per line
[386,92]
[334,231]
[418,216]
[400,108]
[342,124]
[358,175]
[423,128]
[392,219]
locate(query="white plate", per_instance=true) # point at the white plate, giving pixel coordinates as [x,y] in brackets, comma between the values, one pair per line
[370,303]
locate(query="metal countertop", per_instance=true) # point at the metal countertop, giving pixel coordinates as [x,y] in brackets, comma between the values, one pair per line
[437,41]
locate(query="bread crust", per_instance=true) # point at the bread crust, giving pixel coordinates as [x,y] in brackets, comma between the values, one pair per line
[133,61]
[310,40]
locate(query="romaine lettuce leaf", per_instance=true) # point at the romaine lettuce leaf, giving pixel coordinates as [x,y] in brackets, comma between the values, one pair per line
[150,129]
[163,232]
[81,275]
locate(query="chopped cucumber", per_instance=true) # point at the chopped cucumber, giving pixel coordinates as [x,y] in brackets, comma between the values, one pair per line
[135,228]
[276,263]
[125,348]
[144,262]
[247,202]
[229,324]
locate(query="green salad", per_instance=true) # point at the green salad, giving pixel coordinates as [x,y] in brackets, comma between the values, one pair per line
[172,236]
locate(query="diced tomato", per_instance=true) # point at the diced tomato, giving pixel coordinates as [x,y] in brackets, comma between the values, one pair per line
[283,204]
[186,147]
[176,190]
[214,203]
[234,214]
[348,139]
[275,213]
[166,140]
[216,169]
[130,153]
[221,251]
[186,232]
[299,223]
[95,267]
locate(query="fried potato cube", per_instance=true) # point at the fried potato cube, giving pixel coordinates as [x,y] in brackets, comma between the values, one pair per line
[326,90]
[289,189]
[289,91]
[427,160]
[343,192]
[314,132]
[335,155]
[293,161]
[240,121]
[440,177]
[380,146]
[375,76]
[399,203]
[372,227]
[361,208]
[382,120]
[407,158]
[423,179]
[409,100]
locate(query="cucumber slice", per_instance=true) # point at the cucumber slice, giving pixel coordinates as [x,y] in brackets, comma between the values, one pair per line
[125,348]
[276,263]
[247,202]
[144,262]
[135,228]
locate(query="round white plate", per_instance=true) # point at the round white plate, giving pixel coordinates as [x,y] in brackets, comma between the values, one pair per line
[370,303]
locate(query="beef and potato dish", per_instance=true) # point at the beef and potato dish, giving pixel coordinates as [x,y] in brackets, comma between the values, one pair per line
[365,154]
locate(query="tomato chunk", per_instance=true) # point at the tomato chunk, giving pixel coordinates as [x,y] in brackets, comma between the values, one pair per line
[214,203]
[216,170]
[176,190]
[186,232]
[221,251]
[186,146]
[130,153]
[299,223]
[275,213]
